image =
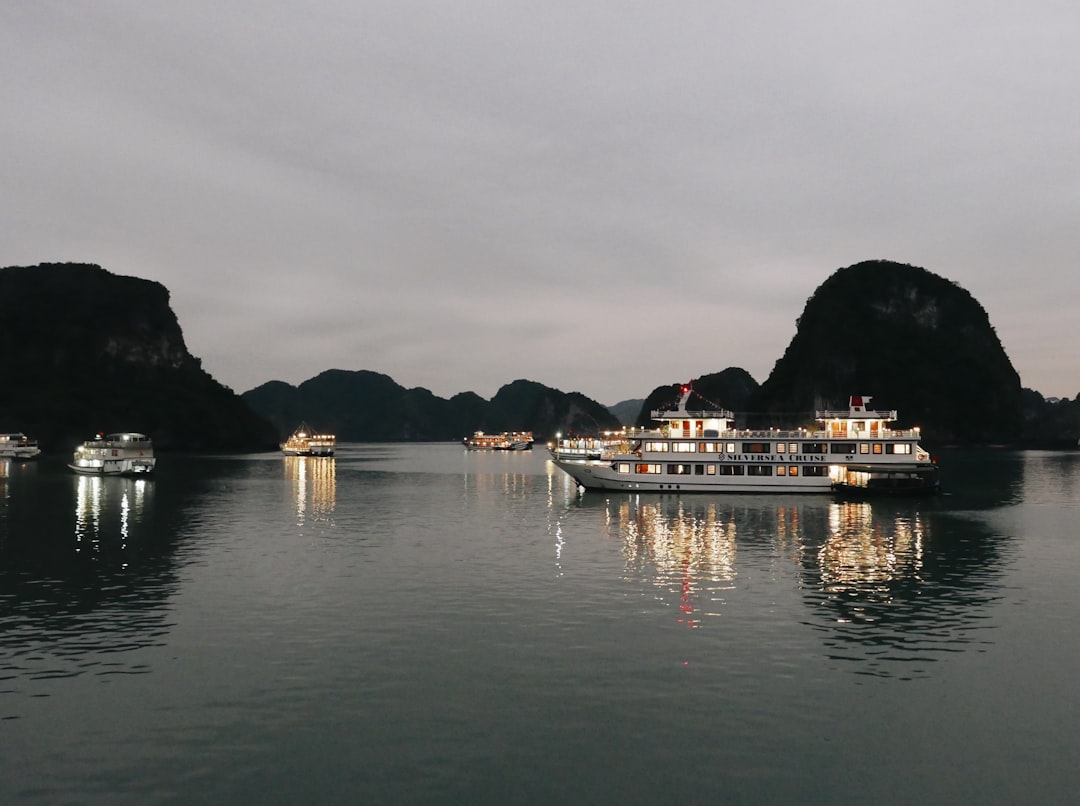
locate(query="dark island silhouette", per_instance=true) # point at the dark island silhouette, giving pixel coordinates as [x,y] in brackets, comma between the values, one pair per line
[91,351]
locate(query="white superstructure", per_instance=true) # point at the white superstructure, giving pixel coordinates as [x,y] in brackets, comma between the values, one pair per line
[121,454]
[304,442]
[18,446]
[702,451]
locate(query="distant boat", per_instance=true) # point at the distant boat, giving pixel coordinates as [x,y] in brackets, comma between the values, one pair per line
[304,442]
[18,446]
[506,441]
[121,454]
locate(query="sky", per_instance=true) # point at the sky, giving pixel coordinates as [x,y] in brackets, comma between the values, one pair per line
[599,196]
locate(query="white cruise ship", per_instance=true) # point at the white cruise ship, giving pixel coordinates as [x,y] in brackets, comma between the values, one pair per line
[852,452]
[121,454]
[18,446]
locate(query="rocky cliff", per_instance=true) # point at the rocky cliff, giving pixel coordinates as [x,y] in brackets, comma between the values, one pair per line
[915,341]
[83,350]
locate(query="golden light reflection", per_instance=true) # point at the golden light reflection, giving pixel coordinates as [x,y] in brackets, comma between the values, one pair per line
[315,478]
[505,483]
[691,551]
[865,553]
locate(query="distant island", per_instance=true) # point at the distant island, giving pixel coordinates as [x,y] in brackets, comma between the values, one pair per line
[94,351]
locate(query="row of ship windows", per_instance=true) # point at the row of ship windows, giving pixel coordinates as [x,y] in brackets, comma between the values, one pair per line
[781,447]
[724,469]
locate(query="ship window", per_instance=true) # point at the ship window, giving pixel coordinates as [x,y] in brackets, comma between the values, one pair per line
[684,447]
[813,447]
[759,470]
[647,468]
[730,448]
[877,447]
[842,447]
[699,470]
[710,470]
[755,447]
[679,470]
[624,467]
[732,470]
[793,470]
[864,447]
[781,470]
[781,447]
[900,447]
[816,470]
[662,447]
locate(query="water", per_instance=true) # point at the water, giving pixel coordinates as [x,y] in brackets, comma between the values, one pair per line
[422,624]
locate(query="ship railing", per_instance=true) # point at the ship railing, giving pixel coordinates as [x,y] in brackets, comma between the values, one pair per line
[776,433]
[847,414]
[676,414]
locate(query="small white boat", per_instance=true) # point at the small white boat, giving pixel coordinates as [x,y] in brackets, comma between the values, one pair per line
[304,442]
[18,446]
[121,454]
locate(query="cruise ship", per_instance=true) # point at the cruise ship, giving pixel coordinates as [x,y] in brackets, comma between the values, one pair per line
[506,441]
[304,442]
[18,446]
[851,452]
[121,454]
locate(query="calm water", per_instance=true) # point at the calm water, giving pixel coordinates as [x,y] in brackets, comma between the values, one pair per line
[420,624]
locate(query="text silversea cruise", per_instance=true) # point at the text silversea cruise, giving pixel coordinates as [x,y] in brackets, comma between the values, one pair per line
[853,451]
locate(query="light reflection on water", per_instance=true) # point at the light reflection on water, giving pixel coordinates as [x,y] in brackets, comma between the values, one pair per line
[106,511]
[315,480]
[692,549]
[71,607]
[454,627]
[885,596]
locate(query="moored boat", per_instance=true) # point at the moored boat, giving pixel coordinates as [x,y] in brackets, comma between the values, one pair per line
[852,451]
[120,454]
[304,442]
[506,441]
[18,446]
[859,481]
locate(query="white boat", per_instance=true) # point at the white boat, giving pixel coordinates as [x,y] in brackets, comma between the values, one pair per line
[851,452]
[18,446]
[305,442]
[506,441]
[584,447]
[121,454]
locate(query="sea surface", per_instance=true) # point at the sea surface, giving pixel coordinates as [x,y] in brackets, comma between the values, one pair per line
[421,624]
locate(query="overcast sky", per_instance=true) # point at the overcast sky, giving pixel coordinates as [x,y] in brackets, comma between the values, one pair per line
[600,196]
